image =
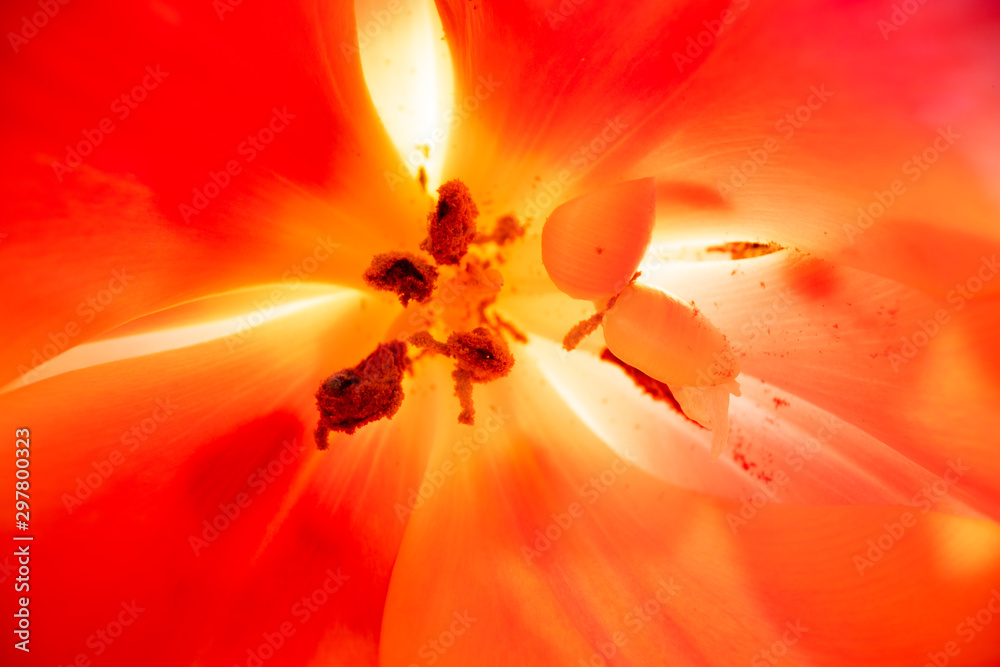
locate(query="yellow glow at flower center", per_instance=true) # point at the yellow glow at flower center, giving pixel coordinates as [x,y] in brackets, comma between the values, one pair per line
[407,66]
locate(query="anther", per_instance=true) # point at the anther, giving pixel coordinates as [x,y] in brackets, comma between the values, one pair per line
[356,396]
[480,356]
[451,226]
[481,352]
[404,274]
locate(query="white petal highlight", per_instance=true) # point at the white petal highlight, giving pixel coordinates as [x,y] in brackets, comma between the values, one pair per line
[407,66]
[235,329]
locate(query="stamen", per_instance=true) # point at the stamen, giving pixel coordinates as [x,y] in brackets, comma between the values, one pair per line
[480,356]
[581,330]
[481,352]
[515,333]
[588,326]
[508,230]
[424,340]
[463,389]
[745,249]
[452,225]
[403,273]
[368,392]
[373,389]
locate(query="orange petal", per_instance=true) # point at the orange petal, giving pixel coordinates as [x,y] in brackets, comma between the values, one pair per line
[145,450]
[547,536]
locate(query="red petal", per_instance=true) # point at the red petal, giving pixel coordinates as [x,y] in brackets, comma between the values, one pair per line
[319,182]
[802,130]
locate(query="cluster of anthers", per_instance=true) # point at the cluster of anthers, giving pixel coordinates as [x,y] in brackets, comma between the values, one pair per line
[592,247]
[468,284]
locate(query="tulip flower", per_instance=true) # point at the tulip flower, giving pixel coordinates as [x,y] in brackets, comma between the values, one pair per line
[205,203]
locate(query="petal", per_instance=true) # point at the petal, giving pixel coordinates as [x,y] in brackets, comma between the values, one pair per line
[133,460]
[911,371]
[652,435]
[300,208]
[409,76]
[211,80]
[644,570]
[545,88]
[781,448]
[812,137]
[833,338]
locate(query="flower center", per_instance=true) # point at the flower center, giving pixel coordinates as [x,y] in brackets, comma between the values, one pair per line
[454,294]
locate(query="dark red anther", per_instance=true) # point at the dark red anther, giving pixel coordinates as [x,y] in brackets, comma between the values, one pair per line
[356,396]
[451,226]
